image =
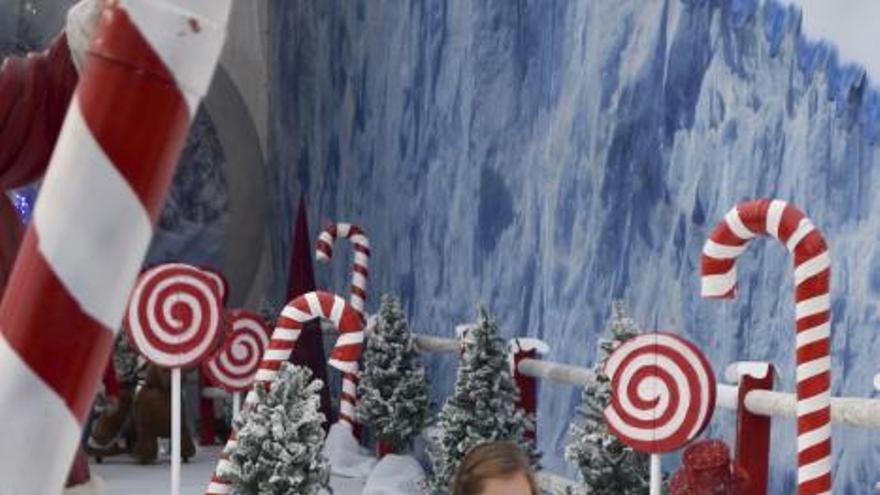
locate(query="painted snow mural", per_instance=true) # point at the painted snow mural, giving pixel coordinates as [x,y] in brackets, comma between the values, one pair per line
[195,217]
[547,157]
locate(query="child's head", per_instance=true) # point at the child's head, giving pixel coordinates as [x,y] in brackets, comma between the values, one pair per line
[498,468]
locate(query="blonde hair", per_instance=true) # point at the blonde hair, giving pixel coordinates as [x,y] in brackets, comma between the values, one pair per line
[496,460]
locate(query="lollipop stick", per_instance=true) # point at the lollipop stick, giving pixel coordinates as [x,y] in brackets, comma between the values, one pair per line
[236,404]
[175,431]
[656,474]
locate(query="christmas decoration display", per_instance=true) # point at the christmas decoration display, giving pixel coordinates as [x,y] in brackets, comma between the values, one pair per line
[663,392]
[812,275]
[393,390]
[482,407]
[358,296]
[174,318]
[90,230]
[662,395]
[234,366]
[290,323]
[607,465]
[707,469]
[278,451]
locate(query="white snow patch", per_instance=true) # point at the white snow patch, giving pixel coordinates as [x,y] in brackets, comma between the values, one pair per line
[95,486]
[396,475]
[347,458]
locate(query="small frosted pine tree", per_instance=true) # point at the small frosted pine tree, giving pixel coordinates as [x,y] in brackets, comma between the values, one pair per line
[607,465]
[393,388]
[481,409]
[280,439]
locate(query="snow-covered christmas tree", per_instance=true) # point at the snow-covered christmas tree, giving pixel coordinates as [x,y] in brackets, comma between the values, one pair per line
[481,409]
[608,466]
[280,440]
[393,388]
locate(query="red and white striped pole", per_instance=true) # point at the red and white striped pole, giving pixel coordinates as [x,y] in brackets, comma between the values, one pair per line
[522,348]
[359,274]
[812,280]
[149,64]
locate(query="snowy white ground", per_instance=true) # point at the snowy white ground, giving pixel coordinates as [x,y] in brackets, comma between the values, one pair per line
[123,477]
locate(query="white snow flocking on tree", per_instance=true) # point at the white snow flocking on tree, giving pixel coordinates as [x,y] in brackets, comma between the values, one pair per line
[482,407]
[607,465]
[279,441]
[393,388]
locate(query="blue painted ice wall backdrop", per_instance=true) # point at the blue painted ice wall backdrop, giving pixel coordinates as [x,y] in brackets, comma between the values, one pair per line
[545,157]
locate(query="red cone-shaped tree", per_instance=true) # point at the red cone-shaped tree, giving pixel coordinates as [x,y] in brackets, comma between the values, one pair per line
[309,351]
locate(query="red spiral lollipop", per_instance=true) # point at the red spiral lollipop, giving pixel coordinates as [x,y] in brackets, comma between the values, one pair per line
[174,316]
[234,366]
[663,392]
[220,283]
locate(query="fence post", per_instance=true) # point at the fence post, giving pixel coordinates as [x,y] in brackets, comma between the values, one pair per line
[752,430]
[461,333]
[527,348]
[877,388]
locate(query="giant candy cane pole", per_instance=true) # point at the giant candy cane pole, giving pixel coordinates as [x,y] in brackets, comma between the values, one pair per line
[812,275]
[359,274]
[149,64]
[293,318]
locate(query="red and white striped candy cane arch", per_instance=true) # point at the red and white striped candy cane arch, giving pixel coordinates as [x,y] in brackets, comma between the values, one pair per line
[149,64]
[294,316]
[359,273]
[812,274]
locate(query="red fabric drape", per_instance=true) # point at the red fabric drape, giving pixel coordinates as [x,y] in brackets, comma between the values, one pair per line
[35,92]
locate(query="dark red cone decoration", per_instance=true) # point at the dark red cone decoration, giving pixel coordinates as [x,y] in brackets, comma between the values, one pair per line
[309,350]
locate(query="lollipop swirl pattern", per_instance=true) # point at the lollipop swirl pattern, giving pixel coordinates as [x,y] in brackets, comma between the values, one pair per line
[663,392]
[174,317]
[235,365]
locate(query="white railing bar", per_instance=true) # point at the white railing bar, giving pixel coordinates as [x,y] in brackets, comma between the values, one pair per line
[436,344]
[562,373]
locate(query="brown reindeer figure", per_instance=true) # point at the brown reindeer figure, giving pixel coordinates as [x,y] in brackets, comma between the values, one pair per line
[152,418]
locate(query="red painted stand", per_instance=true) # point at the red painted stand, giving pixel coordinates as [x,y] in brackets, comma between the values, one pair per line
[753,431]
[526,348]
[207,435]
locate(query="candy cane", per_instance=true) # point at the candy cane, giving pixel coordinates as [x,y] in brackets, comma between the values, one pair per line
[812,274]
[359,273]
[149,65]
[293,318]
